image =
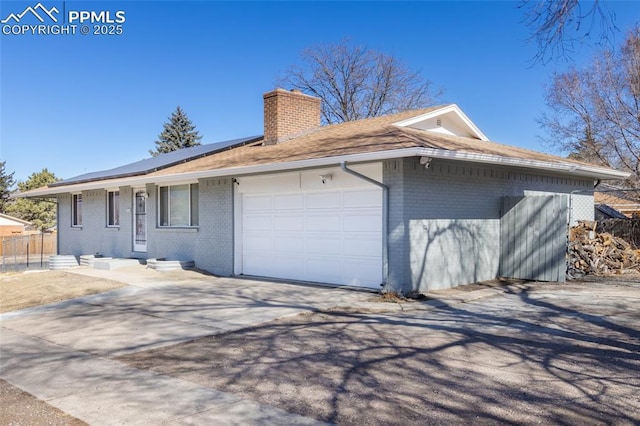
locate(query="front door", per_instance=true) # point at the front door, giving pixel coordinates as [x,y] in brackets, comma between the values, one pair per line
[140,221]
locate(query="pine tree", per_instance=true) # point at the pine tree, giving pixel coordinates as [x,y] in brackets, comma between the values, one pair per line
[41,213]
[179,132]
[6,183]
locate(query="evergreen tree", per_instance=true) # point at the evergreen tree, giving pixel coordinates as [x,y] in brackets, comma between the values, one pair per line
[179,132]
[6,183]
[41,213]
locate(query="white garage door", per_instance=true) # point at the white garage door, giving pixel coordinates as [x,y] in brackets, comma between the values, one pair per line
[332,236]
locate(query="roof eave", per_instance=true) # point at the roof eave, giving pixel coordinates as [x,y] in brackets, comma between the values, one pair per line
[567,168]
[573,169]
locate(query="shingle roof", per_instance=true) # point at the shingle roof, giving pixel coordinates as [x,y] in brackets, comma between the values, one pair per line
[160,162]
[362,136]
[375,137]
[609,211]
[621,201]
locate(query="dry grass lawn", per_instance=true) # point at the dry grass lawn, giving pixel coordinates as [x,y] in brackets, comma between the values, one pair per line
[19,290]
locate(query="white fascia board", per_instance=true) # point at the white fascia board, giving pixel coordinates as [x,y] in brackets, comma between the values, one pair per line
[564,168]
[444,110]
[226,172]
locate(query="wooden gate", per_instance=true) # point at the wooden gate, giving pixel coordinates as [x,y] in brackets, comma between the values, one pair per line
[533,234]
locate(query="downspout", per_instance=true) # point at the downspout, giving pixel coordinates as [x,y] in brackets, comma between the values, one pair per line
[385,218]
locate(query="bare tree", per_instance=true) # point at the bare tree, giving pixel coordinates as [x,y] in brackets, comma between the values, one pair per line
[557,26]
[595,112]
[355,82]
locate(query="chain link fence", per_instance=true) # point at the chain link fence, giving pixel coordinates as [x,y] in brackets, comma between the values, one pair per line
[604,203]
[27,251]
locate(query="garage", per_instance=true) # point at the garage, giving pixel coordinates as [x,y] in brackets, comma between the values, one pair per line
[320,226]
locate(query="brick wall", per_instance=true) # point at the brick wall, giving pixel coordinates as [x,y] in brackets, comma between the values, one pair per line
[214,250]
[210,244]
[444,222]
[94,236]
[288,113]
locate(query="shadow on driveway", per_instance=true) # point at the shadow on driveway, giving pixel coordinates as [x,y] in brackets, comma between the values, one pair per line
[556,354]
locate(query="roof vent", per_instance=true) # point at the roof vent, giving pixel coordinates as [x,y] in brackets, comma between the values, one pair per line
[438,122]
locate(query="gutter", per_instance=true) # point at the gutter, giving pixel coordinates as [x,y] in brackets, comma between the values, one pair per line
[560,167]
[385,218]
[575,169]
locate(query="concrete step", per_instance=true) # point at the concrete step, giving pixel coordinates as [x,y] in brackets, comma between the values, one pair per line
[62,261]
[170,265]
[109,264]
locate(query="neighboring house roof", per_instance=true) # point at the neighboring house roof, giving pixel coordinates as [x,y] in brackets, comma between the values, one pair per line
[159,162]
[609,212]
[393,136]
[617,201]
[10,220]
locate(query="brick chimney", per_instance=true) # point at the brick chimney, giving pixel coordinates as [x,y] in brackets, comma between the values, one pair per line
[287,113]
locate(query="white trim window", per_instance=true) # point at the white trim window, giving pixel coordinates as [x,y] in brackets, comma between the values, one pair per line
[113,209]
[76,210]
[178,205]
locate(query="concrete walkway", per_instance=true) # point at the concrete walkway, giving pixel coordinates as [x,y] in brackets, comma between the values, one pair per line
[62,353]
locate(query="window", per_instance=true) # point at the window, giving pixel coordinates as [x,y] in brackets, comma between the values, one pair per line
[76,210]
[113,208]
[178,205]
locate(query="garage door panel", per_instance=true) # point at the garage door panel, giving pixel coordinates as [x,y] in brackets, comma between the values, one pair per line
[290,266]
[257,263]
[362,246]
[325,269]
[362,222]
[362,273]
[332,236]
[288,222]
[251,203]
[323,244]
[289,244]
[362,198]
[258,241]
[330,222]
[257,223]
[288,202]
[324,200]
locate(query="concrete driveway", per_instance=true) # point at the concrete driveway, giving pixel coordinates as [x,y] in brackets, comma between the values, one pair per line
[152,313]
[60,353]
[550,353]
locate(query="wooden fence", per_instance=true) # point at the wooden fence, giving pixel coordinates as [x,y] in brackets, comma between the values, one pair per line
[28,249]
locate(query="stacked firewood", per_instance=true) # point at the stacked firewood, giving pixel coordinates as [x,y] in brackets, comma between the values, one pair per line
[599,253]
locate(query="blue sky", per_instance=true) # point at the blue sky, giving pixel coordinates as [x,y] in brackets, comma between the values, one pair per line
[81,103]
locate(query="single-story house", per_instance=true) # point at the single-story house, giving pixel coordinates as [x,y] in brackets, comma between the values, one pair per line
[412,201]
[12,226]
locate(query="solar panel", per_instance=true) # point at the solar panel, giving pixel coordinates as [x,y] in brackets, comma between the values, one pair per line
[162,161]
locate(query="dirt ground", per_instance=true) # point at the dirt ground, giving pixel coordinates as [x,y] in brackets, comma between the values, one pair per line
[19,290]
[22,409]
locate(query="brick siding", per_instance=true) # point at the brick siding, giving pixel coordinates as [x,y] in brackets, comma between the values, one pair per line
[444,222]
[288,113]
